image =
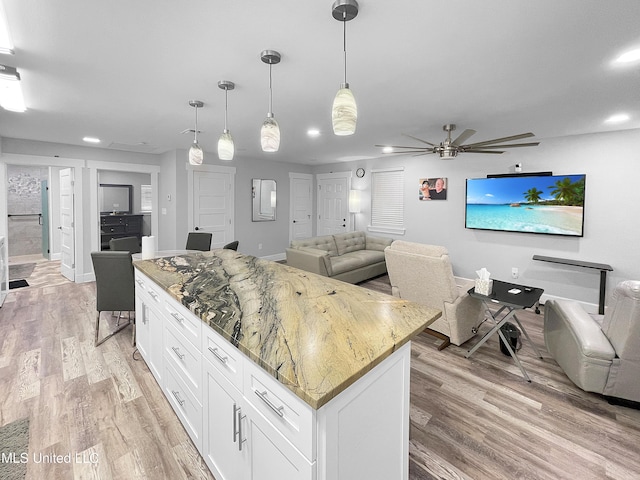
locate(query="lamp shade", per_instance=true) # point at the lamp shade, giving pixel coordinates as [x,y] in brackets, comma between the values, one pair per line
[270,135]
[354,201]
[344,113]
[195,154]
[226,148]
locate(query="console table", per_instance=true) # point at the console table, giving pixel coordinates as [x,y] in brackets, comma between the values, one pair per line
[603,267]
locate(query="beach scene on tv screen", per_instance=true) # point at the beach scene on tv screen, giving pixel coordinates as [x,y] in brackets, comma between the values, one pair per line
[544,204]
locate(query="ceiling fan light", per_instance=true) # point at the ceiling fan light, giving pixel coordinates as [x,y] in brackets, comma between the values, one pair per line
[196,155]
[344,114]
[270,134]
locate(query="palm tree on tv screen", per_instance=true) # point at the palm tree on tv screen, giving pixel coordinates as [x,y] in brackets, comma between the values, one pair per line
[533,195]
[567,192]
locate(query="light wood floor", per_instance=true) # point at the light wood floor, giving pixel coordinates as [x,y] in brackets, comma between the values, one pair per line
[470,418]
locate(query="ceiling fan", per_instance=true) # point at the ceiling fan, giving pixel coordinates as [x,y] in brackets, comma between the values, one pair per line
[450,148]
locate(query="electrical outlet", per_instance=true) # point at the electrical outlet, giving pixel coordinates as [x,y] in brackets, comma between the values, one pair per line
[259,246]
[514,272]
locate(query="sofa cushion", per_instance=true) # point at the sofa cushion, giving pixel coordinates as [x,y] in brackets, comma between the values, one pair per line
[377,243]
[349,242]
[325,242]
[354,260]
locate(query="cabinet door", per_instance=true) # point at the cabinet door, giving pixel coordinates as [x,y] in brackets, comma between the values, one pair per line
[221,449]
[142,328]
[271,456]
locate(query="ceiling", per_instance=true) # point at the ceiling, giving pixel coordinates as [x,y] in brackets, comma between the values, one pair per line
[124,71]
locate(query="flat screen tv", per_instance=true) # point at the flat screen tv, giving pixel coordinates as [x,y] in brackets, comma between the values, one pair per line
[549,204]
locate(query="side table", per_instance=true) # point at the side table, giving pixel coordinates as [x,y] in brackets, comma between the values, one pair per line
[511,298]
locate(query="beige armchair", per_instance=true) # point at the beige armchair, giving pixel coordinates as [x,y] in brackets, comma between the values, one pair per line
[423,274]
[599,354]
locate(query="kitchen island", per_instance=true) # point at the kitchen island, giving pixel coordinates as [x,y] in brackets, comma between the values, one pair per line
[276,372]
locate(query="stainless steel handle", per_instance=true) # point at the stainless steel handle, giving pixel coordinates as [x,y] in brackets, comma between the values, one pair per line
[177,395]
[263,397]
[154,295]
[235,422]
[177,317]
[177,352]
[217,355]
[140,282]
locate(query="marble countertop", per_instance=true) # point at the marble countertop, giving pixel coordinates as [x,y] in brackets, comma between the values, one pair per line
[314,334]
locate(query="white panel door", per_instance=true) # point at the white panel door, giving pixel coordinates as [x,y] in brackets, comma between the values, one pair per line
[333,205]
[301,209]
[67,235]
[212,206]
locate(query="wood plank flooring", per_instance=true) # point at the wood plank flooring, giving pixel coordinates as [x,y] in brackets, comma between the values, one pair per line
[470,418]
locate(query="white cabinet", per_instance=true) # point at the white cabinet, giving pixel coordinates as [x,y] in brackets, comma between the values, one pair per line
[240,443]
[149,325]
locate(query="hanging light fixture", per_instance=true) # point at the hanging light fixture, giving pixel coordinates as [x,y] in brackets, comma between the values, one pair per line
[195,152]
[270,131]
[344,113]
[226,148]
[10,91]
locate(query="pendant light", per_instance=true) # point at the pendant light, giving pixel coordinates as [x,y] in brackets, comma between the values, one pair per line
[344,113]
[270,131]
[226,148]
[195,152]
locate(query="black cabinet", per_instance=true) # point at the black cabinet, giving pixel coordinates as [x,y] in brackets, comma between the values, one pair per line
[118,226]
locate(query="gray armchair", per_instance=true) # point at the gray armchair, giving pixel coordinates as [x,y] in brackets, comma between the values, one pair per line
[599,354]
[423,274]
[115,288]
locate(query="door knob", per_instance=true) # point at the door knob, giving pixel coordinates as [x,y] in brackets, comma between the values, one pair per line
[294,221]
[197,228]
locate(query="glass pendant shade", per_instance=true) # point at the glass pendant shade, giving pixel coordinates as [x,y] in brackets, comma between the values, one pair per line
[195,154]
[226,148]
[270,134]
[344,114]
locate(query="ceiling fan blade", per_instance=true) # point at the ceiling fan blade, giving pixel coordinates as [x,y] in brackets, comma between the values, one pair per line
[531,144]
[483,151]
[402,146]
[463,137]
[499,140]
[419,140]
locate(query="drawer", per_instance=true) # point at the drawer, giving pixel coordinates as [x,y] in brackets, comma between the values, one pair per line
[111,220]
[113,229]
[185,358]
[188,409]
[185,322]
[149,290]
[223,356]
[291,416]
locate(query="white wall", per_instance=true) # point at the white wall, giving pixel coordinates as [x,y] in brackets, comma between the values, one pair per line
[612,231]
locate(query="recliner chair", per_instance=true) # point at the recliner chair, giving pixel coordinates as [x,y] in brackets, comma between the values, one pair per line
[599,354]
[423,274]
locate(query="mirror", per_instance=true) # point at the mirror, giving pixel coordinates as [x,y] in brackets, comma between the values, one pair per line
[263,196]
[114,199]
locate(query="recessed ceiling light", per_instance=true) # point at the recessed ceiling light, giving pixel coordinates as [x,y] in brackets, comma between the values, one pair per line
[628,57]
[313,132]
[618,118]
[91,140]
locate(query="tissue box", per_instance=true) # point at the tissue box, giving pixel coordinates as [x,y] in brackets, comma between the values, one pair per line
[484,287]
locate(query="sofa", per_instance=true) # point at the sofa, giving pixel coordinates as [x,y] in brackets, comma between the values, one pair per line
[352,257]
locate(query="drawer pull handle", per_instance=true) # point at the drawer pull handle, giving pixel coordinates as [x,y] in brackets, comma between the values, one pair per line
[140,282]
[217,355]
[177,352]
[237,426]
[177,395]
[177,317]
[154,295]
[263,397]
